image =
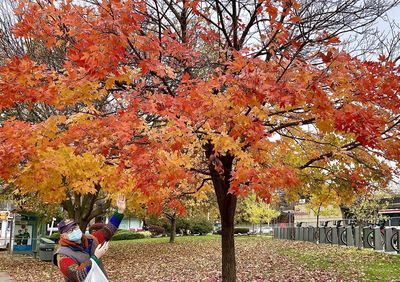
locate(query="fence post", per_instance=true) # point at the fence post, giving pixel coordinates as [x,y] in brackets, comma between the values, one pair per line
[378,240]
[340,231]
[388,239]
[366,230]
[357,231]
[335,235]
[350,236]
[297,236]
[311,233]
[322,235]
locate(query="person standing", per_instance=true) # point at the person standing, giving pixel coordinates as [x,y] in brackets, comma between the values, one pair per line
[77,251]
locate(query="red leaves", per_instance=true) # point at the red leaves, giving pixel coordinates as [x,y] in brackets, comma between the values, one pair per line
[263,181]
[96,41]
[273,12]
[177,206]
[167,96]
[358,181]
[333,40]
[295,19]
[185,77]
[24,81]
[15,146]
[296,5]
[351,117]
[328,57]
[193,4]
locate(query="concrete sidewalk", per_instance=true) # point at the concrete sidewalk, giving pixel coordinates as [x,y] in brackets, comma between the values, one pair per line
[4,277]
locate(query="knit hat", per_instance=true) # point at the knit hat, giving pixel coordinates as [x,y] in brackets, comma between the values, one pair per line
[66,225]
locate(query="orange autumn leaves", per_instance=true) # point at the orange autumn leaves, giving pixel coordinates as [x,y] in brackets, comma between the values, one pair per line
[130,104]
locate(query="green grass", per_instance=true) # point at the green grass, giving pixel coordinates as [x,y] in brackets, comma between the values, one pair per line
[259,258]
[363,264]
[185,239]
[371,265]
[161,240]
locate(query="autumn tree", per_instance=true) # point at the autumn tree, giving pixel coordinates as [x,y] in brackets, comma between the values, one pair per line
[11,46]
[323,201]
[365,210]
[259,212]
[189,204]
[162,96]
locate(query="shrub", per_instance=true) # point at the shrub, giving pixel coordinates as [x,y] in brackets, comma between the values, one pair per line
[156,230]
[127,235]
[54,237]
[182,225]
[146,234]
[200,226]
[165,223]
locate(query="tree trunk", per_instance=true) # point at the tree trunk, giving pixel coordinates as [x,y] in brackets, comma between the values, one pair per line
[172,220]
[317,231]
[360,236]
[83,208]
[227,210]
[83,224]
[228,252]
[220,168]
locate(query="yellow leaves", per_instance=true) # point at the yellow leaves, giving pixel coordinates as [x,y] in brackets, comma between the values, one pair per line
[135,199]
[259,212]
[224,143]
[48,130]
[175,160]
[127,75]
[325,125]
[202,195]
[324,196]
[53,171]
[79,118]
[85,92]
[114,180]
[259,113]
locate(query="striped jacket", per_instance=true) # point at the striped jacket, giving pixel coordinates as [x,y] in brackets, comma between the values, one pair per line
[74,259]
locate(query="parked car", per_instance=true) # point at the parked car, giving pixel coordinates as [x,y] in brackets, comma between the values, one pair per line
[266,230]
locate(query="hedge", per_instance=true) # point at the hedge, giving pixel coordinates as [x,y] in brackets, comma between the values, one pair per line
[127,235]
[54,237]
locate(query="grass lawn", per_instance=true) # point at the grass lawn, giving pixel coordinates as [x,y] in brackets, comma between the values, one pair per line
[198,258]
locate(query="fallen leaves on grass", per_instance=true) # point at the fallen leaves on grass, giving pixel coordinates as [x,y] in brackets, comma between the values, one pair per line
[258,259]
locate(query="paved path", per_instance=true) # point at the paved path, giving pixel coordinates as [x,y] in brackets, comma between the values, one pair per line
[4,277]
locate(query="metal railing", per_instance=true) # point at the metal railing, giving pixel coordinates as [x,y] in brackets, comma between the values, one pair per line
[380,237]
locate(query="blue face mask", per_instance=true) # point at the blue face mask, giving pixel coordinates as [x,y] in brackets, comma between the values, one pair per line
[75,235]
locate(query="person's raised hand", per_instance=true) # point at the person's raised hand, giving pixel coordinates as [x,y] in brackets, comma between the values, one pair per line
[121,203]
[101,250]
